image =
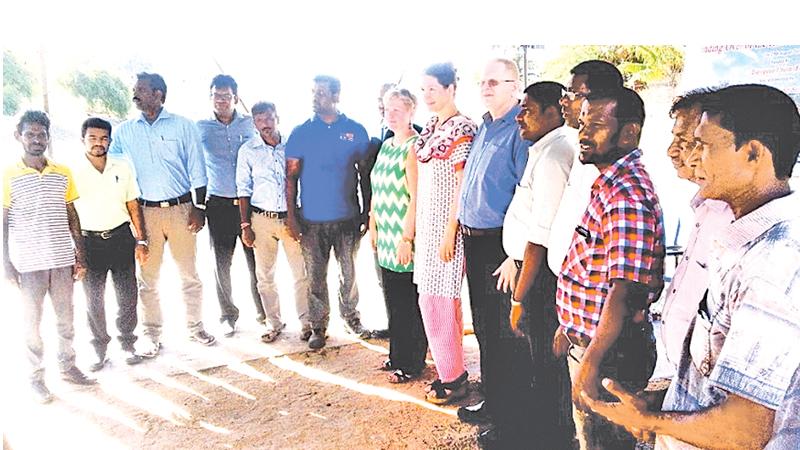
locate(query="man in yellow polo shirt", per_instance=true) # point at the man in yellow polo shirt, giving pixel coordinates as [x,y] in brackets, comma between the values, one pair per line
[107,207]
[42,251]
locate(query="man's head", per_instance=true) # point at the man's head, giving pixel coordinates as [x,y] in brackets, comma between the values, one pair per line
[400,105]
[686,110]
[96,136]
[499,85]
[439,86]
[149,92]
[265,118]
[540,112]
[384,89]
[748,140]
[224,95]
[586,77]
[326,94]
[610,125]
[33,132]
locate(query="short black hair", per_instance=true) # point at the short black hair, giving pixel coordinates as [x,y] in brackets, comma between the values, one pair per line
[630,107]
[600,75]
[32,116]
[761,113]
[445,73]
[262,107]
[695,97]
[223,81]
[546,94]
[333,83]
[155,81]
[95,122]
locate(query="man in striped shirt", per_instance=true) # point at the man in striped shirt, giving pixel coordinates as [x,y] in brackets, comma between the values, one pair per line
[42,246]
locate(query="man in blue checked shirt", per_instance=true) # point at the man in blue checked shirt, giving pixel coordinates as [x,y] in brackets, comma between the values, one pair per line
[222,135]
[166,153]
[261,186]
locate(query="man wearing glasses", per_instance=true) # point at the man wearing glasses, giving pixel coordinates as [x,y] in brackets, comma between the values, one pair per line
[493,169]
[222,135]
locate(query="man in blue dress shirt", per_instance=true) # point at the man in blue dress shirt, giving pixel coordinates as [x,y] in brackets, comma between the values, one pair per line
[167,155]
[222,135]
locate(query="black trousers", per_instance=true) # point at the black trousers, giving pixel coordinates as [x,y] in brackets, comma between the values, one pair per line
[551,413]
[224,230]
[115,255]
[505,358]
[408,344]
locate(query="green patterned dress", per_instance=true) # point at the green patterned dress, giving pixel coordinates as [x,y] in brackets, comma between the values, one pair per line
[390,201]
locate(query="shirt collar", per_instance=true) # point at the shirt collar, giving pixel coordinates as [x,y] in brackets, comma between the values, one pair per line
[48,164]
[510,116]
[754,224]
[236,117]
[608,174]
[162,115]
[551,137]
[339,118]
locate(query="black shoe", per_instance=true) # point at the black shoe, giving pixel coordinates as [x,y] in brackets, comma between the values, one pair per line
[305,334]
[132,358]
[40,392]
[477,413]
[317,339]
[101,361]
[490,439]
[355,327]
[380,334]
[75,376]
[228,328]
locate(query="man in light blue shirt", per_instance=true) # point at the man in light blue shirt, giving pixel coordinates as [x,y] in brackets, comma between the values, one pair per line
[222,135]
[165,151]
[261,186]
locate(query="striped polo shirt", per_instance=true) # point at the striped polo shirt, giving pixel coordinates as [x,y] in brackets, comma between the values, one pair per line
[38,228]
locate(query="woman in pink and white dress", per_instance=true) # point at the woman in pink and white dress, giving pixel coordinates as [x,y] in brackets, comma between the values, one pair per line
[441,152]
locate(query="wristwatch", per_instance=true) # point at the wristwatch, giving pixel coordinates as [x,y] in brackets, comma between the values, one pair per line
[200,206]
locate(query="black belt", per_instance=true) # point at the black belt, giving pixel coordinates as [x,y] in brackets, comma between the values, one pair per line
[518,263]
[226,200]
[467,231]
[185,198]
[269,214]
[107,234]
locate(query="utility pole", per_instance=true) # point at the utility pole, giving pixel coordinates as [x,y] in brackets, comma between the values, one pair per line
[45,93]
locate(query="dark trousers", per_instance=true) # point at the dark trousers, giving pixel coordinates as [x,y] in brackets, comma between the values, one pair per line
[115,255]
[317,241]
[505,358]
[551,413]
[224,230]
[408,344]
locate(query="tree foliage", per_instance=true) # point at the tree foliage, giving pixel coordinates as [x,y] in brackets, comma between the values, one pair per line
[17,84]
[103,92]
[641,65]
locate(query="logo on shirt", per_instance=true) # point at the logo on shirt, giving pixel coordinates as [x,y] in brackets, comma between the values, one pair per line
[346,137]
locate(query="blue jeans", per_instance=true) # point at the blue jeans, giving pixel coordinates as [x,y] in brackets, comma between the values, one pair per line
[317,241]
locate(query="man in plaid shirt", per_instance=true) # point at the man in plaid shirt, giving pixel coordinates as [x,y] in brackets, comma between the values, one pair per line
[614,266]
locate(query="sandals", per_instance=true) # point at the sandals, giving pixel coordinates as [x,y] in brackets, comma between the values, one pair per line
[400,376]
[387,366]
[442,393]
[272,334]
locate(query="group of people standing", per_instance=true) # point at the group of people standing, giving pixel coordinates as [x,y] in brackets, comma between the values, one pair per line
[545,206]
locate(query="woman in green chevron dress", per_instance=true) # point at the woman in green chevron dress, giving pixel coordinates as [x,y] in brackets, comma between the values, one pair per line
[394,186]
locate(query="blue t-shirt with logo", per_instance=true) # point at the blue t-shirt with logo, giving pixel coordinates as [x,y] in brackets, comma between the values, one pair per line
[328,155]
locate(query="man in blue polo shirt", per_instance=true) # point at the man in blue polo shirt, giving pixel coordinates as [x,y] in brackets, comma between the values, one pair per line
[223,134]
[326,154]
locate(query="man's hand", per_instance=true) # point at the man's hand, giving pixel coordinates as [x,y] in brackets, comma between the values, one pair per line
[293,227]
[514,316]
[630,412]
[197,219]
[141,252]
[248,237]
[11,274]
[506,274]
[586,383]
[363,225]
[560,343]
[78,271]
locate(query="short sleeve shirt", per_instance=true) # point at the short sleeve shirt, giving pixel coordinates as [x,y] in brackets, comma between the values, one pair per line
[102,205]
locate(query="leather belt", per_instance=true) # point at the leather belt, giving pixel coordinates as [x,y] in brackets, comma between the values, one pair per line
[518,263]
[575,339]
[107,234]
[226,200]
[269,214]
[467,231]
[185,198]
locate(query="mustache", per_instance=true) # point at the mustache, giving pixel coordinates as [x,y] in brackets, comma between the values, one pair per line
[136,99]
[586,142]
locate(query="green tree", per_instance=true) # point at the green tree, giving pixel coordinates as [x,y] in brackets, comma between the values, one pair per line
[17,84]
[103,92]
[641,65]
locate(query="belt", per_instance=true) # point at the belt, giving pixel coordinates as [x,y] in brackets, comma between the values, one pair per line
[185,198]
[269,214]
[576,340]
[518,263]
[226,200]
[107,234]
[467,231]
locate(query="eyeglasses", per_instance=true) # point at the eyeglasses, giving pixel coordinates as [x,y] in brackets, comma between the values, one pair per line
[492,83]
[573,95]
[225,97]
